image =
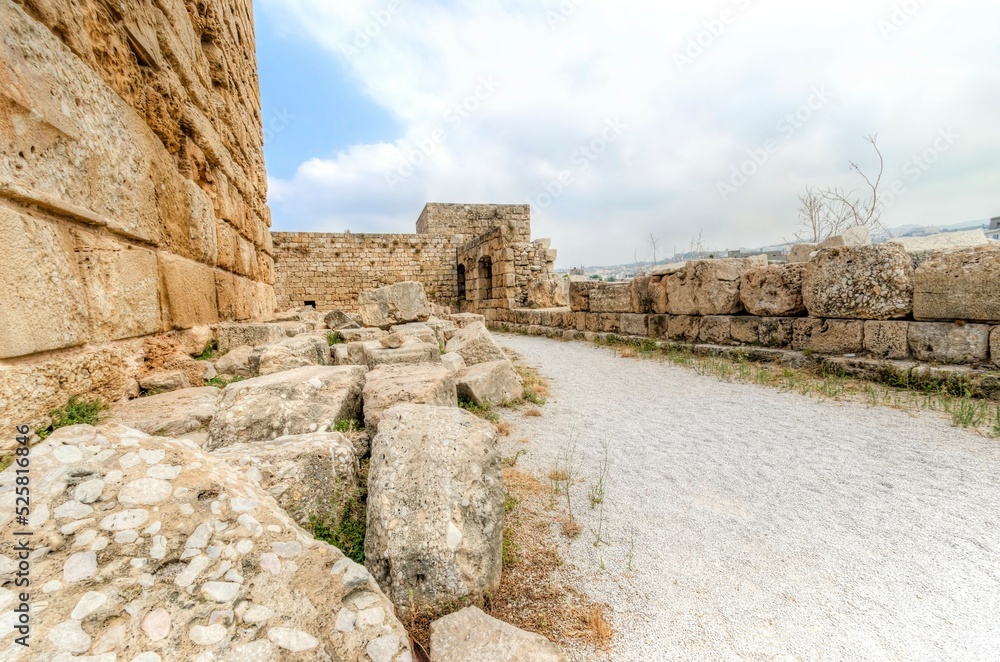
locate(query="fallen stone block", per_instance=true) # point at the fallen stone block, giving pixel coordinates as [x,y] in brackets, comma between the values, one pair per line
[361,335]
[204,532]
[393,340]
[290,353]
[579,293]
[310,399]
[800,253]
[475,344]
[411,351]
[419,330]
[338,320]
[311,476]
[162,381]
[887,340]
[388,385]
[773,291]
[453,361]
[435,506]
[394,304]
[949,343]
[828,336]
[235,362]
[859,282]
[549,291]
[170,414]
[708,287]
[959,284]
[230,335]
[443,329]
[493,383]
[469,634]
[463,320]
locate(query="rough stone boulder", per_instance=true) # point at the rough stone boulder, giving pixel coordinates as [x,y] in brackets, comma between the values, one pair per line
[164,381]
[394,304]
[859,282]
[443,329]
[493,382]
[419,330]
[290,353]
[236,362]
[801,253]
[311,476]
[230,335]
[453,361]
[435,506]
[580,288]
[708,287]
[463,320]
[394,340]
[773,291]
[550,291]
[194,341]
[310,399]
[155,550]
[944,342]
[923,248]
[169,414]
[424,383]
[959,284]
[611,298]
[469,634]
[475,344]
[361,335]
[338,320]
[411,351]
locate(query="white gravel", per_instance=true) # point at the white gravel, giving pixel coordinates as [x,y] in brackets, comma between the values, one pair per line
[769,525]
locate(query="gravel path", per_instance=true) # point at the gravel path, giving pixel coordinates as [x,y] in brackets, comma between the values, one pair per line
[769,525]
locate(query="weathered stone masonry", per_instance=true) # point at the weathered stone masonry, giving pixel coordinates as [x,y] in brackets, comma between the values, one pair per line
[451,254]
[132,188]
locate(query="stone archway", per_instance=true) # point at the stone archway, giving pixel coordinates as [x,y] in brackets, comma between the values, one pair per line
[485,278]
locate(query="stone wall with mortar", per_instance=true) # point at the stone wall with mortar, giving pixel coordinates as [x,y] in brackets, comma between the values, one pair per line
[488,262]
[132,187]
[470,221]
[332,269]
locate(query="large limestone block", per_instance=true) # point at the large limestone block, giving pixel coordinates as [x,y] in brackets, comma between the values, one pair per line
[708,287]
[475,344]
[463,320]
[887,340]
[611,298]
[162,381]
[943,342]
[243,299]
[776,332]
[633,324]
[236,362]
[549,291]
[645,291]
[230,335]
[338,319]
[418,330]
[922,248]
[310,399]
[361,335]
[774,290]
[684,328]
[203,530]
[469,634]
[189,288]
[579,293]
[491,383]
[394,304]
[859,282]
[716,330]
[122,286]
[388,385]
[959,285]
[435,506]
[290,353]
[828,336]
[170,414]
[410,352]
[443,329]
[42,299]
[311,476]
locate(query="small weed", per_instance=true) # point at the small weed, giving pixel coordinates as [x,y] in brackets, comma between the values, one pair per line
[509,502]
[6,461]
[511,461]
[509,548]
[533,412]
[209,353]
[996,423]
[596,493]
[76,412]
[504,428]
[348,532]
[334,338]
[222,381]
[570,527]
[347,426]
[484,410]
[968,413]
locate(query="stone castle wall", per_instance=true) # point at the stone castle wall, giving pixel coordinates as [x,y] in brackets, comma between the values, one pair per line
[132,188]
[331,270]
[470,221]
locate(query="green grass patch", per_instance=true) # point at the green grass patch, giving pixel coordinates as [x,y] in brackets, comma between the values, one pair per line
[334,338]
[347,533]
[222,381]
[346,426]
[211,351]
[76,412]
[484,411]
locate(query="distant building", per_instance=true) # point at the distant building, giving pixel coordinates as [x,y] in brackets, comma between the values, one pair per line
[994,231]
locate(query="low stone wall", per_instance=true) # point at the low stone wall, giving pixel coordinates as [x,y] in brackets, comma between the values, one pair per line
[332,269]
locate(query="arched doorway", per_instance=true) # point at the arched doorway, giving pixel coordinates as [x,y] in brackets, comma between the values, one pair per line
[461,282]
[485,279]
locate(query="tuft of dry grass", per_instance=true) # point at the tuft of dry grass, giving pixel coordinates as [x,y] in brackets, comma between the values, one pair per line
[570,527]
[558,475]
[504,428]
[523,440]
[534,411]
[627,352]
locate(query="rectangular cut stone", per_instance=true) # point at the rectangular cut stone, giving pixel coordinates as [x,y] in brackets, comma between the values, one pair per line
[776,331]
[634,325]
[887,340]
[611,298]
[579,293]
[190,292]
[959,285]
[684,328]
[658,326]
[42,298]
[949,343]
[715,329]
[828,336]
[745,329]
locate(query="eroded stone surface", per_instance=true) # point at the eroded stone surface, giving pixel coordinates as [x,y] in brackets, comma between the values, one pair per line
[961,284]
[490,383]
[859,282]
[394,304]
[470,634]
[708,287]
[168,414]
[773,291]
[428,384]
[214,568]
[475,344]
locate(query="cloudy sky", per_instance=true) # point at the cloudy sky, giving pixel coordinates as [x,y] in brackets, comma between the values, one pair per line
[620,119]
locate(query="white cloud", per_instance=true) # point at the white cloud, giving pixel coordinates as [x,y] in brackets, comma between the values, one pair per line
[551,87]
